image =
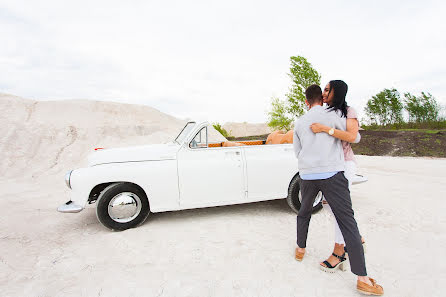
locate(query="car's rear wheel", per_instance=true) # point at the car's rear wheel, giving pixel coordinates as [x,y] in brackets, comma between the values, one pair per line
[121,206]
[294,196]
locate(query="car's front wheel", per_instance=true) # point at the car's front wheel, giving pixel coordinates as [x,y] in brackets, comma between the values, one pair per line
[294,196]
[121,206]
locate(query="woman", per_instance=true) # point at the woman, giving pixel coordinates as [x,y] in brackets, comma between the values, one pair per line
[334,95]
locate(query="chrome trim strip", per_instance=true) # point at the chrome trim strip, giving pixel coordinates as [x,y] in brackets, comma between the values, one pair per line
[69,207]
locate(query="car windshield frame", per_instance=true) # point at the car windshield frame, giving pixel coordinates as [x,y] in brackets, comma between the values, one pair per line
[184,132]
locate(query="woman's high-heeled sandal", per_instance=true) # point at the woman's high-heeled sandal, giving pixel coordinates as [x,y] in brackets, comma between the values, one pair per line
[332,269]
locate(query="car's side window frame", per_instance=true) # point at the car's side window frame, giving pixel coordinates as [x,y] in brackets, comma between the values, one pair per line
[193,139]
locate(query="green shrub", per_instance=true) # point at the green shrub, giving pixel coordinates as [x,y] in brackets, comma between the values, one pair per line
[222,131]
[279,117]
[433,125]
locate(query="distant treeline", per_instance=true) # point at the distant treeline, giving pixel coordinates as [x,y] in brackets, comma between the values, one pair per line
[385,110]
[388,110]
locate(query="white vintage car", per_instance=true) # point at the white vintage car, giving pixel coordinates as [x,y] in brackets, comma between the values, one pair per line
[128,184]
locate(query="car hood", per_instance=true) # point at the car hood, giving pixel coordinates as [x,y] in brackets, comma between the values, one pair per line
[154,152]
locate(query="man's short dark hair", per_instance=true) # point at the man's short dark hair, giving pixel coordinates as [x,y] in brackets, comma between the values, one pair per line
[313,94]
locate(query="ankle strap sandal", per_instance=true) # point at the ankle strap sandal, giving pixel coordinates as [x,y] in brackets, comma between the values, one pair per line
[332,269]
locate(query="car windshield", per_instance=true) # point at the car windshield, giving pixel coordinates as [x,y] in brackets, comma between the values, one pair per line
[181,137]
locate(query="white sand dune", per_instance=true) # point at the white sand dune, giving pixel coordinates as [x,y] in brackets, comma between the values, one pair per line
[39,137]
[246,129]
[241,250]
[44,137]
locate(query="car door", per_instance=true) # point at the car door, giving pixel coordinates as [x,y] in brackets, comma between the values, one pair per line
[209,176]
[270,168]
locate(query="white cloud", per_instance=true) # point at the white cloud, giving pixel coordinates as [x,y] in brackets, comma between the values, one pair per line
[219,61]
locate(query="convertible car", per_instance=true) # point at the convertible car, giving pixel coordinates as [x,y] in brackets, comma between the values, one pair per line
[193,171]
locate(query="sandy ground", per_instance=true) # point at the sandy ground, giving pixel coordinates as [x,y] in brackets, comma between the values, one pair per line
[242,250]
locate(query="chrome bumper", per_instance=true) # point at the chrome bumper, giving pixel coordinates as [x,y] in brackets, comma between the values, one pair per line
[359,179]
[69,207]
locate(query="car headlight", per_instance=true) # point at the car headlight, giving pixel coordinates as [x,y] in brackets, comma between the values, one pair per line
[67,178]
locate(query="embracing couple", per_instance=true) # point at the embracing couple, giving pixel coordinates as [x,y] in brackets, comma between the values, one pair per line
[321,142]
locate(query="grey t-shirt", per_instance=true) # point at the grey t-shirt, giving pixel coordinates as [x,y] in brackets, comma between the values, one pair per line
[318,152]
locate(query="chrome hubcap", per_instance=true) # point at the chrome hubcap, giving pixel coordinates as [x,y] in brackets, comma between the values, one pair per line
[317,200]
[124,207]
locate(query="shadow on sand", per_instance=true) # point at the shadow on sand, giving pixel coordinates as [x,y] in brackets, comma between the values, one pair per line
[255,209]
[247,209]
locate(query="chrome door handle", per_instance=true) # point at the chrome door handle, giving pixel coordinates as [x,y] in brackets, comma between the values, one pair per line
[232,153]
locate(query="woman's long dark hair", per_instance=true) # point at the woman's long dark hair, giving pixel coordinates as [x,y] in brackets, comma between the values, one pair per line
[339,89]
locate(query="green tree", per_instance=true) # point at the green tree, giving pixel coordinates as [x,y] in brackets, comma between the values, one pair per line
[279,117]
[395,105]
[302,75]
[423,108]
[413,107]
[284,112]
[385,108]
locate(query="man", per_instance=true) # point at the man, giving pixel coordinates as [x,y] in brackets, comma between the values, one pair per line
[321,166]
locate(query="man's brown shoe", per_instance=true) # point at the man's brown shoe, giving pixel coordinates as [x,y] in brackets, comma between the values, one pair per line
[374,289]
[299,256]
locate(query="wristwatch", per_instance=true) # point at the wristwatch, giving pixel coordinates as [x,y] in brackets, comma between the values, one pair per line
[331,131]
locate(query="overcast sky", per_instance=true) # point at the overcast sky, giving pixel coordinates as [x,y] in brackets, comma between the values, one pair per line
[217,60]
